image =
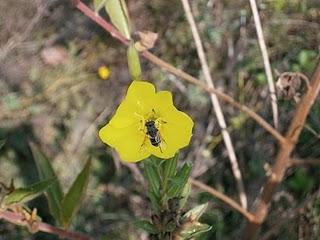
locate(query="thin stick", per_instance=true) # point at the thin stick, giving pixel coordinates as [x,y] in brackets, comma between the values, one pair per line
[266,62]
[18,219]
[298,162]
[216,104]
[223,198]
[179,73]
[283,158]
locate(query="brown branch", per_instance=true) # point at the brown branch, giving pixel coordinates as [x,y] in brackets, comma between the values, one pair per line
[223,198]
[18,219]
[283,158]
[179,73]
[298,162]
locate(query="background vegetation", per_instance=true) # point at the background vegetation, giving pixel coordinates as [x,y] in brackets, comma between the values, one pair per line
[51,95]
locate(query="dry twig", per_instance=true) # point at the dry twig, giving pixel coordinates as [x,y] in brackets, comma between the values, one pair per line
[299,162]
[216,105]
[266,62]
[18,219]
[223,198]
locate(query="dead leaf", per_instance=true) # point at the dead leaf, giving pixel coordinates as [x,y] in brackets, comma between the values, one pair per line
[146,41]
[288,84]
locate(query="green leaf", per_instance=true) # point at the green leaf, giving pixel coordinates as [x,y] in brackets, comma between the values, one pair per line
[169,167]
[307,60]
[72,200]
[261,79]
[152,174]
[146,226]
[184,195]
[22,195]
[12,101]
[118,13]
[134,62]
[98,5]
[155,201]
[194,230]
[177,183]
[45,171]
[195,213]
[301,181]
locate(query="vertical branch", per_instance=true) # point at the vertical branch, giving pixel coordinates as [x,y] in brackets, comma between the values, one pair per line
[266,61]
[216,104]
[283,158]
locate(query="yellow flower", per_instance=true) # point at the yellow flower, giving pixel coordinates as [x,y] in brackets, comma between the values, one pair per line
[147,123]
[104,72]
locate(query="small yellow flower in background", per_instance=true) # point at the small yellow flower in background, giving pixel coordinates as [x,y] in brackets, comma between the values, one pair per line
[104,72]
[145,123]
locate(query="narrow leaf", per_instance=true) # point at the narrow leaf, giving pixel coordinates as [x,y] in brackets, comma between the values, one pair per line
[22,195]
[195,213]
[152,175]
[194,230]
[72,200]
[155,201]
[45,171]
[118,14]
[177,183]
[184,195]
[169,167]
[134,62]
[146,226]
[98,5]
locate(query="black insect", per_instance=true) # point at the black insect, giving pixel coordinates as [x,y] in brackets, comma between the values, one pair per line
[153,133]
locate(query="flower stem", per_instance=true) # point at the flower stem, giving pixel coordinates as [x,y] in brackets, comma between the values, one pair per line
[167,184]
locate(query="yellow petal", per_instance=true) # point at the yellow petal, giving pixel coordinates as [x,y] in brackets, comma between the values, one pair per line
[175,134]
[164,151]
[141,90]
[137,104]
[141,94]
[177,130]
[127,141]
[125,115]
[175,126]
[163,103]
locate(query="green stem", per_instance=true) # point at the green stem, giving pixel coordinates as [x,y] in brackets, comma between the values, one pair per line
[134,62]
